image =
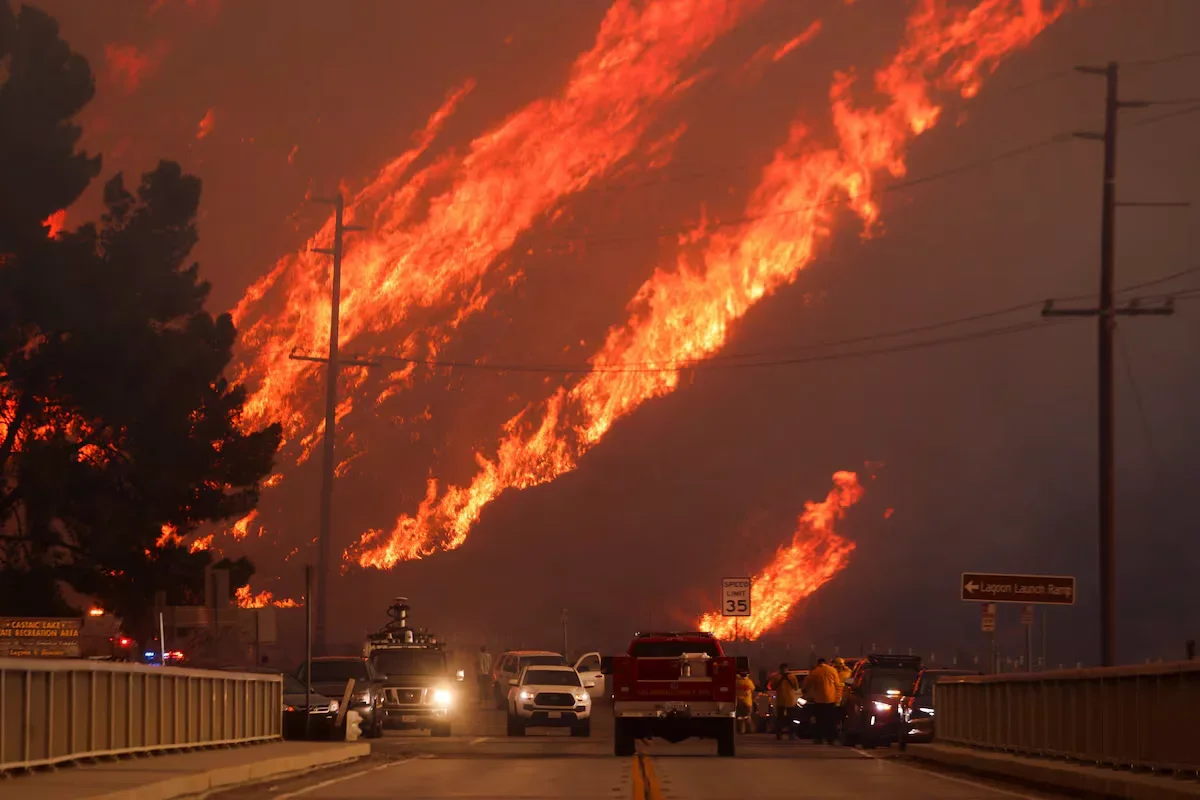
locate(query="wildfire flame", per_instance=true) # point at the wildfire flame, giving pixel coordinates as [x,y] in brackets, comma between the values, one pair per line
[247,599]
[684,315]
[510,177]
[816,554]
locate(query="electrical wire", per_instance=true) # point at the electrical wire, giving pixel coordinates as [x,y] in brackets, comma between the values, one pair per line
[898,186]
[782,356]
[1163,60]
[699,365]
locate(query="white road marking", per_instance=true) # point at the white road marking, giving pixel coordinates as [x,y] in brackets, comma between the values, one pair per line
[332,781]
[951,778]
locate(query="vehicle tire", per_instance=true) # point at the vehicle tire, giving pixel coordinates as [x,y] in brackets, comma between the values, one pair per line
[516,726]
[727,740]
[582,728]
[623,741]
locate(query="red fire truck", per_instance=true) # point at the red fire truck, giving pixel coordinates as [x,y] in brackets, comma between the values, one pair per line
[673,686]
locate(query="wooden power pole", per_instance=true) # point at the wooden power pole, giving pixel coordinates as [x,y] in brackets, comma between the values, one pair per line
[1106,314]
[334,363]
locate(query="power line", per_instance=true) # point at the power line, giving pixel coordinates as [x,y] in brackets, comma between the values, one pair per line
[720,359]
[1163,60]
[698,365]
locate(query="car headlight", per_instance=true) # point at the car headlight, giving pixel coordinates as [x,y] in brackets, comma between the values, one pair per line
[800,701]
[333,705]
[441,697]
[882,706]
[581,697]
[928,711]
[526,695]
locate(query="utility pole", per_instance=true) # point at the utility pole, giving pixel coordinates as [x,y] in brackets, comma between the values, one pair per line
[1106,315]
[333,366]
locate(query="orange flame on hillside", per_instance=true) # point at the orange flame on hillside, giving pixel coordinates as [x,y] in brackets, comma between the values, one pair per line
[682,316]
[245,598]
[509,179]
[203,543]
[816,554]
[241,528]
[55,223]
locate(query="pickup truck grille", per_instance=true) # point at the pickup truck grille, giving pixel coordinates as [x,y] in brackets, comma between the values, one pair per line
[405,697]
[558,699]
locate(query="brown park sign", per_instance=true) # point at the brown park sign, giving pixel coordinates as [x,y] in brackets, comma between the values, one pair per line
[39,637]
[987,587]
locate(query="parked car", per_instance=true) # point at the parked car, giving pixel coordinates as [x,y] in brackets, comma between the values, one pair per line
[298,704]
[330,674]
[870,704]
[549,697]
[918,708]
[509,666]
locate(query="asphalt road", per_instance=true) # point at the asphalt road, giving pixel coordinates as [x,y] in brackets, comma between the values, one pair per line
[479,761]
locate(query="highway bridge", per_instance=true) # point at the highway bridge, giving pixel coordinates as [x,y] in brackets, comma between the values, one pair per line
[66,725]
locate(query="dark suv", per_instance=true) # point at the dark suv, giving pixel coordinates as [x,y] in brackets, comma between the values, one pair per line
[330,674]
[918,710]
[419,689]
[870,704]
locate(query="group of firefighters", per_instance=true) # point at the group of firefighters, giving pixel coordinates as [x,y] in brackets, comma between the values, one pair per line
[822,690]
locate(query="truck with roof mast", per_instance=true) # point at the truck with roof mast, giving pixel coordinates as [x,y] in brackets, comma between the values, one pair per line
[420,690]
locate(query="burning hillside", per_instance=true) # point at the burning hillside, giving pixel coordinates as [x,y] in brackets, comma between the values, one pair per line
[440,227]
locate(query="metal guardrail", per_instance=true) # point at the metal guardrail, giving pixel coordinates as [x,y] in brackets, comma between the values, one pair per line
[53,711]
[1130,717]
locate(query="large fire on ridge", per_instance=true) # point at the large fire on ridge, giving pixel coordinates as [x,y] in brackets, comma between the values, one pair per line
[508,180]
[683,316]
[815,555]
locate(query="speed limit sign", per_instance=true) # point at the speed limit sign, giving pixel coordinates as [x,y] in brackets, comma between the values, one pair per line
[735,597]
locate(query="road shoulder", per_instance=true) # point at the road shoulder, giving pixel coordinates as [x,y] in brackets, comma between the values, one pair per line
[167,777]
[1056,775]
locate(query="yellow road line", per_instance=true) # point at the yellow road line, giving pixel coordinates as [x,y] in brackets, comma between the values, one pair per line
[638,783]
[653,786]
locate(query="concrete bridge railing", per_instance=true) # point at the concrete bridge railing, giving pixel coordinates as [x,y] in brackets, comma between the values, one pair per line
[53,711]
[1132,717]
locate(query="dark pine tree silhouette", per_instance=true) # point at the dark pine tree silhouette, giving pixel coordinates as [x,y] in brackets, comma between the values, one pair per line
[115,417]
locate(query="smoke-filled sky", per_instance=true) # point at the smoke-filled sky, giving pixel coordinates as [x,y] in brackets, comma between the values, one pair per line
[988,445]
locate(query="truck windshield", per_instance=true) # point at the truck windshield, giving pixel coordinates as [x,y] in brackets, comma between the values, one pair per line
[883,681]
[341,670]
[647,649]
[542,661]
[551,677]
[409,662]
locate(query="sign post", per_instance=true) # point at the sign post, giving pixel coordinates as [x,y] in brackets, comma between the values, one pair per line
[1027,621]
[988,626]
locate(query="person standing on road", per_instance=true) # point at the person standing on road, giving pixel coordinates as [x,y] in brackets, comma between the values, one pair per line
[787,689]
[484,675]
[844,673]
[821,687]
[745,700]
